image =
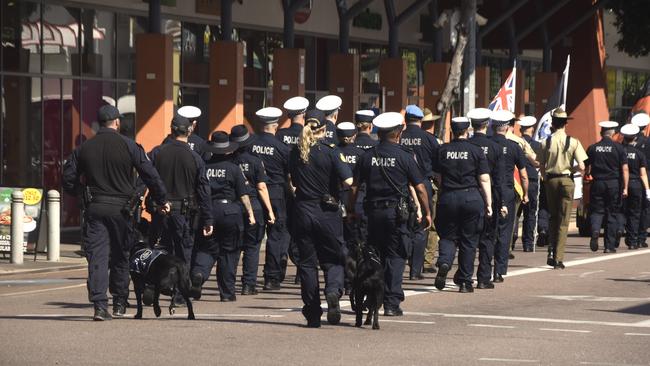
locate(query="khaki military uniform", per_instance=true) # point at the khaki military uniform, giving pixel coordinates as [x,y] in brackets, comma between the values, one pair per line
[557,160]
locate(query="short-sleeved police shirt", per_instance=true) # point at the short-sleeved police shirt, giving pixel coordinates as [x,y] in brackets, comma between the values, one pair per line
[275,156]
[290,135]
[555,158]
[321,175]
[494,155]
[460,163]
[605,159]
[226,179]
[397,163]
[423,145]
[513,157]
[365,141]
[537,147]
[253,170]
[635,161]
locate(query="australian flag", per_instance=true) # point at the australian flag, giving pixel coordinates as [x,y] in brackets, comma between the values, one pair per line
[505,98]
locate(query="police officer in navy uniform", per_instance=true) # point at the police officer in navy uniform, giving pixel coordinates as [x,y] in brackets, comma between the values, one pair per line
[642,120]
[195,142]
[607,166]
[317,171]
[106,163]
[275,156]
[183,173]
[513,158]
[638,190]
[363,120]
[479,118]
[465,197]
[255,174]
[229,192]
[425,148]
[352,229]
[535,216]
[390,174]
[296,108]
[330,106]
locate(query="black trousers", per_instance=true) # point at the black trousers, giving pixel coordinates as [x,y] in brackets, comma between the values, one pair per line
[253,236]
[420,240]
[394,242]
[459,223]
[605,202]
[504,234]
[532,218]
[277,236]
[633,207]
[486,245]
[223,247]
[319,238]
[108,237]
[175,235]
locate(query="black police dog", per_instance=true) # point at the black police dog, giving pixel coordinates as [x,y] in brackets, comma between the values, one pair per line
[365,269]
[166,274]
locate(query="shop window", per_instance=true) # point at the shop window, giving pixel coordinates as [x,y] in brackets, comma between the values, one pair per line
[98,43]
[126,104]
[632,84]
[61,40]
[196,40]
[255,60]
[128,27]
[21,131]
[21,36]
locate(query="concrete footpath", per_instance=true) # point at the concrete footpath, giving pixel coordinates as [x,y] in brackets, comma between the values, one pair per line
[70,259]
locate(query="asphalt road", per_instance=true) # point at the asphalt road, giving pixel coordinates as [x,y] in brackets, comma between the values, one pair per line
[595,312]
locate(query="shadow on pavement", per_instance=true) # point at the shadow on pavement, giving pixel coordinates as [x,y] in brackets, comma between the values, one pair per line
[69,305]
[643,309]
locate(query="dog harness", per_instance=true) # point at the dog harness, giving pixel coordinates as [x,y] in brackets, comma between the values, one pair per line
[143,258]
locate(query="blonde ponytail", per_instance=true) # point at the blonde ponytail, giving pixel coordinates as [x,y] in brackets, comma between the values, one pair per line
[305,143]
[309,138]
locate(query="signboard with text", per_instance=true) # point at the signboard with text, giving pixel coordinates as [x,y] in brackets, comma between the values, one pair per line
[33,198]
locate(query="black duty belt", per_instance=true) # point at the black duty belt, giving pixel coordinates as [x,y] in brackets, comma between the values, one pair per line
[551,176]
[221,201]
[111,200]
[445,190]
[379,204]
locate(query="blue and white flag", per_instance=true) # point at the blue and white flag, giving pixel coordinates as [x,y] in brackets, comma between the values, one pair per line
[557,99]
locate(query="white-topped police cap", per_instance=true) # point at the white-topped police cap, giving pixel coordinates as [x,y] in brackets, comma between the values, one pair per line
[269,115]
[630,130]
[296,105]
[364,115]
[479,114]
[641,119]
[346,129]
[189,112]
[527,121]
[329,103]
[501,117]
[608,125]
[388,120]
[459,123]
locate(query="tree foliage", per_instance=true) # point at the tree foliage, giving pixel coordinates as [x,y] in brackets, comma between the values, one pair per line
[632,25]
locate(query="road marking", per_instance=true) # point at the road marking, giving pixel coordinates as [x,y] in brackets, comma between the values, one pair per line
[176,315]
[40,281]
[507,360]
[491,326]
[608,363]
[565,330]
[638,334]
[594,298]
[641,324]
[43,290]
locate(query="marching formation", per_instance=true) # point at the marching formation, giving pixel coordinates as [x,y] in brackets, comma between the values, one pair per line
[359,200]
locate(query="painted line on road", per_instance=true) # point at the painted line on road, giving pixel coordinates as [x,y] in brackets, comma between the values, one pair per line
[176,315]
[583,275]
[594,298]
[565,330]
[609,363]
[641,324]
[42,290]
[512,360]
[638,334]
[491,326]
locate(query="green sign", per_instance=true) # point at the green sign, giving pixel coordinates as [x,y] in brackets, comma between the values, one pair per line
[367,20]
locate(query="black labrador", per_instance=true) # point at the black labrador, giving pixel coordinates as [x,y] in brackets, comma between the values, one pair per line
[365,269]
[156,272]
